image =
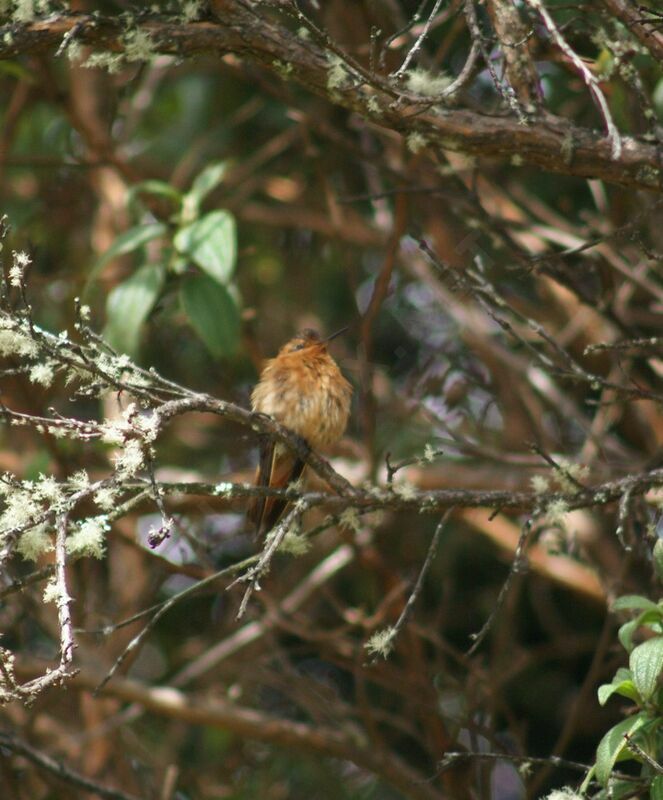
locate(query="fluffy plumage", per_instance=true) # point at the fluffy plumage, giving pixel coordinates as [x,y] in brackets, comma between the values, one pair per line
[303,389]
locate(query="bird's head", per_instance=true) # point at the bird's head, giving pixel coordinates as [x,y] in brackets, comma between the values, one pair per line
[308,338]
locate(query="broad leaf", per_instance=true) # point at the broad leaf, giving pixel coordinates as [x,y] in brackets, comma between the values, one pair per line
[646,663]
[156,188]
[657,554]
[613,745]
[213,313]
[128,306]
[211,243]
[622,684]
[203,184]
[635,601]
[125,243]
[625,634]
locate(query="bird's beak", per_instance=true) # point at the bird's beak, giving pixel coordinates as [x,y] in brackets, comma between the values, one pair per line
[334,335]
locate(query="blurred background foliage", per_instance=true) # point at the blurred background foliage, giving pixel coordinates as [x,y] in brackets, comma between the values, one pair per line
[300,205]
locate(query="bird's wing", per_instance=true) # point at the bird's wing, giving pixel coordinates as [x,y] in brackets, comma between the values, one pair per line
[277,468]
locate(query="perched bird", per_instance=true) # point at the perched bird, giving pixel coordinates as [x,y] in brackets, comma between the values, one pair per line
[303,389]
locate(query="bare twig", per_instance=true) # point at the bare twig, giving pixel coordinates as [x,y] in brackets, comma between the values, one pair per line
[418,43]
[518,565]
[59,770]
[397,627]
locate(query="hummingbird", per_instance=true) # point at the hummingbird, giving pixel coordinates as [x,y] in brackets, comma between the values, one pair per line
[303,389]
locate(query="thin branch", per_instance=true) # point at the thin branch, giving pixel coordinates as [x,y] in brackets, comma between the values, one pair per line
[518,565]
[59,770]
[585,73]
[418,43]
[272,543]
[162,609]
[397,627]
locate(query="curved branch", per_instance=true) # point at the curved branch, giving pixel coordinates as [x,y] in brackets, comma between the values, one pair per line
[552,143]
[344,743]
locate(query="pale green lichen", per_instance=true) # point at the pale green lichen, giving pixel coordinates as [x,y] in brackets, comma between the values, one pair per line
[381,642]
[13,343]
[130,459]
[350,520]
[20,262]
[563,794]
[42,374]
[540,484]
[647,174]
[106,497]
[405,490]
[557,511]
[47,488]
[79,481]
[282,68]
[191,10]
[567,148]
[148,424]
[34,543]
[295,543]
[568,474]
[138,46]
[74,51]
[88,539]
[20,509]
[51,592]
[27,10]
[425,83]
[337,74]
[415,141]
[373,105]
[111,62]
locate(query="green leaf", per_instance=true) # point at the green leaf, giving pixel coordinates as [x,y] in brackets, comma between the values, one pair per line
[657,554]
[213,313]
[635,601]
[646,663]
[625,634]
[125,243]
[211,243]
[157,188]
[584,786]
[656,788]
[657,98]
[203,184]
[128,306]
[15,70]
[612,746]
[621,684]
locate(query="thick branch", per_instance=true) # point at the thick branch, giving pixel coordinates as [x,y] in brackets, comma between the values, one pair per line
[551,143]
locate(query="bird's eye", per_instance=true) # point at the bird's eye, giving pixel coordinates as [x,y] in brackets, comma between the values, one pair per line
[299,346]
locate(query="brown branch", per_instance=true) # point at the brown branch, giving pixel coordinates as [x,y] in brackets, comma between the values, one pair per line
[57,768]
[632,17]
[553,144]
[440,499]
[378,296]
[168,702]
[513,36]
